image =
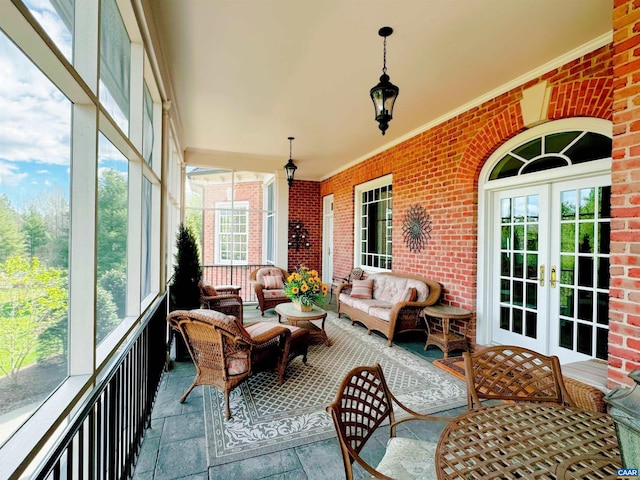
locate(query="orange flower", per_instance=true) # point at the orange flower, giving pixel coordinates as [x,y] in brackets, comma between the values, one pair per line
[304,287]
[295,290]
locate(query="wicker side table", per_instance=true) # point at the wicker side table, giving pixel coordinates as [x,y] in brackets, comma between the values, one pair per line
[446,340]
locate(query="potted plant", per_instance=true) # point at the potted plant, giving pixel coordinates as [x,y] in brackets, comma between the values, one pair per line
[187,273]
[305,289]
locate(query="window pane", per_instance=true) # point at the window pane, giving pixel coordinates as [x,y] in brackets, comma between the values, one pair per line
[56,18]
[112,237]
[376,222]
[147,127]
[146,239]
[115,64]
[35,146]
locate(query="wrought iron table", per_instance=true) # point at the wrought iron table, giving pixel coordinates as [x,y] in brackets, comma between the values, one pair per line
[527,441]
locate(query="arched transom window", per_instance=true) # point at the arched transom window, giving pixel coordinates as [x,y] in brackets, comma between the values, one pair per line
[552,151]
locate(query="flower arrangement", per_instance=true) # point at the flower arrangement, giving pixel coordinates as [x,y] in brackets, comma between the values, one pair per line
[305,288]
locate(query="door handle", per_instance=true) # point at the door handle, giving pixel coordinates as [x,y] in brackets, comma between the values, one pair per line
[552,279]
[541,277]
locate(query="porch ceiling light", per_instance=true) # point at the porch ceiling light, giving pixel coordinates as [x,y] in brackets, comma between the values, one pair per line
[290,168]
[384,94]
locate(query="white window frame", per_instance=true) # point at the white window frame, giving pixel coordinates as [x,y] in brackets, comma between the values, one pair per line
[357,222]
[241,206]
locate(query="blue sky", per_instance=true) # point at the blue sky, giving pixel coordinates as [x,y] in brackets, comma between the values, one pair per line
[35,122]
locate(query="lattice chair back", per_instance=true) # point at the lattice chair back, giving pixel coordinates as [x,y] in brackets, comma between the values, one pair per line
[507,372]
[362,404]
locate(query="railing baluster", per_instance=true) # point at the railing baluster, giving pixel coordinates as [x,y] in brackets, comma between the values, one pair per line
[116,413]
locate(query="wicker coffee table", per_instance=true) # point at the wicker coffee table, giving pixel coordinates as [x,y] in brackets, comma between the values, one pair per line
[527,441]
[304,320]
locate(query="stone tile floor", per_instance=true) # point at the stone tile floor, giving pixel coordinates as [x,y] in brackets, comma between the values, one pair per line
[174,447]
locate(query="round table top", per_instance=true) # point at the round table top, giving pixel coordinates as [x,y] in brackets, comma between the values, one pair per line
[446,311]
[522,440]
[289,311]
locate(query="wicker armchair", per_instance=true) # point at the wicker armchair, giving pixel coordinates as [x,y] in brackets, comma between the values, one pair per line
[227,304]
[226,354]
[507,372]
[268,285]
[362,404]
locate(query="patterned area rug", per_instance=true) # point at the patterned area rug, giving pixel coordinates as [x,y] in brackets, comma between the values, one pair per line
[267,418]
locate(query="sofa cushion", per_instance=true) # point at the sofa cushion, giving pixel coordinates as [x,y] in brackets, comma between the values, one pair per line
[362,288]
[590,372]
[408,458]
[409,295]
[383,313]
[273,282]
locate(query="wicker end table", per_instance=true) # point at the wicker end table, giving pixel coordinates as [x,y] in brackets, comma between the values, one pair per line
[295,317]
[446,340]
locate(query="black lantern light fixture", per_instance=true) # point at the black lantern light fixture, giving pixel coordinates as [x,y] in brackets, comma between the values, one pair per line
[384,94]
[290,168]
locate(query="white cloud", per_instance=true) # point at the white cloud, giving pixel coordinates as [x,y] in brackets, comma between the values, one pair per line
[35,116]
[9,175]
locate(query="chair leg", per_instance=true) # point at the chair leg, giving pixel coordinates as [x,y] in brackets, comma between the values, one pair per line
[227,410]
[186,394]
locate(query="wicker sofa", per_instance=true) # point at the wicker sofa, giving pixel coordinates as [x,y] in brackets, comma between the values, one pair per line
[395,304]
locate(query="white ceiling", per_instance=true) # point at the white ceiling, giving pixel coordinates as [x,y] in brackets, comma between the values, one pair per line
[247,74]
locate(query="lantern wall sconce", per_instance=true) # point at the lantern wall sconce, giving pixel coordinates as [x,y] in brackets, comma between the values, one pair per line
[290,167]
[298,236]
[384,94]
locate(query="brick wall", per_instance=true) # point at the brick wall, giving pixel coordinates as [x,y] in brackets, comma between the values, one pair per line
[624,302]
[305,205]
[439,170]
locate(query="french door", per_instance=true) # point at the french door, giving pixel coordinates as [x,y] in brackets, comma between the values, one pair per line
[550,267]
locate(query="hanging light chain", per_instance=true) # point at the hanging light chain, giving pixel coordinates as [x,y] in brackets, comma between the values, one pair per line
[384,57]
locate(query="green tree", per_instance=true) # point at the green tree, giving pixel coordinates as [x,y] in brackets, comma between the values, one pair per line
[35,298]
[55,211]
[11,236]
[112,221]
[35,232]
[187,273]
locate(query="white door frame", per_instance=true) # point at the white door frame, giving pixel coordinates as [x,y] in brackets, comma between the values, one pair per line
[487,189]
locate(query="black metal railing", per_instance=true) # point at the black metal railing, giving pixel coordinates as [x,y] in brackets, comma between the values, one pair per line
[103,441]
[232,275]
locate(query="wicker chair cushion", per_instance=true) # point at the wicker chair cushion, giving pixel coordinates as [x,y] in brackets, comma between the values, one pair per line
[255,330]
[408,458]
[271,294]
[590,372]
[273,282]
[362,288]
[208,289]
[267,271]
[238,362]
[392,289]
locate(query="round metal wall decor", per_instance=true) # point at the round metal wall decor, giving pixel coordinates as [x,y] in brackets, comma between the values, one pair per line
[416,228]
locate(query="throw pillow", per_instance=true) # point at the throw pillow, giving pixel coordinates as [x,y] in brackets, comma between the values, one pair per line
[409,295]
[362,288]
[208,289]
[272,282]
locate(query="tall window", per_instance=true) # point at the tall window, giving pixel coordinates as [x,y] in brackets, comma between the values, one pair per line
[113,216]
[35,159]
[115,64]
[270,249]
[373,235]
[233,213]
[232,232]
